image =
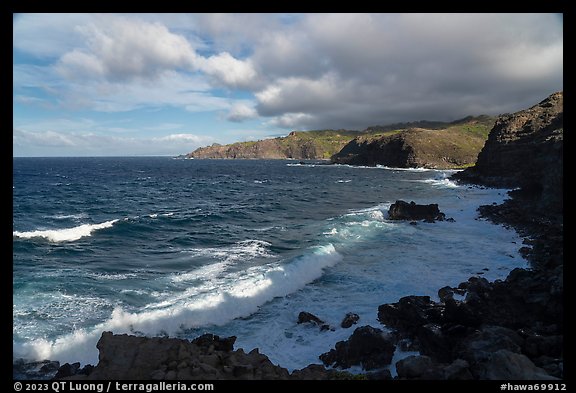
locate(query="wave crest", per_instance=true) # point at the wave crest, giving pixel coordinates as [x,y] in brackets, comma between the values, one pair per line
[66,234]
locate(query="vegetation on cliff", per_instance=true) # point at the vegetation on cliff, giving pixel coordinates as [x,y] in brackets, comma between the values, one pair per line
[439,145]
[443,145]
[302,145]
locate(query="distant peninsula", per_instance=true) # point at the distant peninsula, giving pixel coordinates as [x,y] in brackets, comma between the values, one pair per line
[429,144]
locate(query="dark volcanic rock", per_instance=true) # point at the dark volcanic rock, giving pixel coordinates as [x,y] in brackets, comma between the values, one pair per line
[507,365]
[209,357]
[520,315]
[525,149]
[125,357]
[510,329]
[402,210]
[367,346]
[305,317]
[41,370]
[67,370]
[349,320]
[218,344]
[409,313]
[415,367]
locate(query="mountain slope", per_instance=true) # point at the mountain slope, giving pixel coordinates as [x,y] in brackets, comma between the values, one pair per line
[302,145]
[450,145]
[439,145]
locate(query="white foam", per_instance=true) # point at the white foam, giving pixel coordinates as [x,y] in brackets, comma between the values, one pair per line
[68,216]
[441,183]
[240,251]
[234,299]
[405,169]
[441,179]
[65,235]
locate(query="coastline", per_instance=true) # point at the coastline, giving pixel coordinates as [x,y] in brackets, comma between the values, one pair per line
[510,329]
[499,214]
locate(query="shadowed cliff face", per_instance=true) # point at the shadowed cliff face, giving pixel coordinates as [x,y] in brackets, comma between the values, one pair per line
[408,145]
[412,148]
[525,149]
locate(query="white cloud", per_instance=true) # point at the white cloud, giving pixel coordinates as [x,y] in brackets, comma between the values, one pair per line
[241,112]
[299,95]
[56,143]
[227,70]
[120,48]
[292,120]
[187,138]
[304,71]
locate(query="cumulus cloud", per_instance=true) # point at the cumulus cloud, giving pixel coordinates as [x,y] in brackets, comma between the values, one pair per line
[291,71]
[227,70]
[241,112]
[374,69]
[120,49]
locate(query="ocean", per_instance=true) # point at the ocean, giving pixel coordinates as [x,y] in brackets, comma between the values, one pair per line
[174,247]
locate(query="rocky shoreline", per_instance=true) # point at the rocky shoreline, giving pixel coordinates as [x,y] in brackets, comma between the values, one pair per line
[511,329]
[508,329]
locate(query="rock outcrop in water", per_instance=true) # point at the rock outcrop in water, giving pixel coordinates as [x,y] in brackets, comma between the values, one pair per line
[401,210]
[511,329]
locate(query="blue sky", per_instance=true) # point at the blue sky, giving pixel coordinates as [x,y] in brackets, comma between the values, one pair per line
[165,84]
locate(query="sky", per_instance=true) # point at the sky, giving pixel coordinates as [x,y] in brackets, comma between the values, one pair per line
[166,84]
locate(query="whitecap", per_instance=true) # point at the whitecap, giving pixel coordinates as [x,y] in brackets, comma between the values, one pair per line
[235,298]
[66,234]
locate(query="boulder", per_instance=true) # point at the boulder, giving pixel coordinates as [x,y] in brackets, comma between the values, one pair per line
[413,366]
[409,313]
[67,370]
[349,320]
[434,343]
[206,357]
[480,345]
[402,210]
[458,370]
[219,344]
[45,369]
[305,317]
[506,365]
[367,346]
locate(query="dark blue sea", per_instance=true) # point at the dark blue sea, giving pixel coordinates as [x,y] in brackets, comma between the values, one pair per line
[164,246]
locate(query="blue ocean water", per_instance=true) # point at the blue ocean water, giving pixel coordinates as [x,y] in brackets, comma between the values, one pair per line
[156,245]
